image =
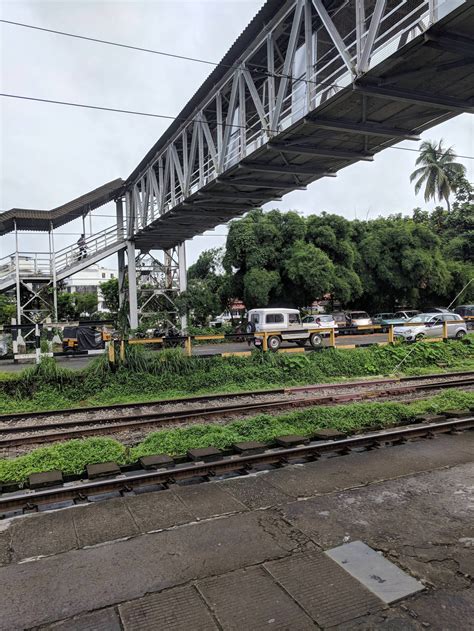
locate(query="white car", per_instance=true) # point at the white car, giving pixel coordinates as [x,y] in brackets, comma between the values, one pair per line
[319,321]
[431,325]
[285,324]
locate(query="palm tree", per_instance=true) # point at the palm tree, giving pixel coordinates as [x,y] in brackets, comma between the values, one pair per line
[438,171]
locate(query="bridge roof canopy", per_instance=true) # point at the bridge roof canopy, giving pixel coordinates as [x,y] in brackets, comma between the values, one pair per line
[32,219]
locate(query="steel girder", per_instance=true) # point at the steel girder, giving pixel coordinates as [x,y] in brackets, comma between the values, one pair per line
[310,51]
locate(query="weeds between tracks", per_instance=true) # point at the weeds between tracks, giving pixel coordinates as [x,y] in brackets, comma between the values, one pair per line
[71,457]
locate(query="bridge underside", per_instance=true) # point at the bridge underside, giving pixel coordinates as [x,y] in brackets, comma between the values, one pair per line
[427,81]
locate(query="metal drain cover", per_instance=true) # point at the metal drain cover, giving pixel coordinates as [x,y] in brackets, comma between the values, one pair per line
[382,577]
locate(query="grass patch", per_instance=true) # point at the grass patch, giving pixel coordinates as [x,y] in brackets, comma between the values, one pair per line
[71,457]
[169,374]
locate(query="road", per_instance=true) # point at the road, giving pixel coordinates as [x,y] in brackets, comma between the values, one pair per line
[77,363]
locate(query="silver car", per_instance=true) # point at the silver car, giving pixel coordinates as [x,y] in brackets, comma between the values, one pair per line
[431,325]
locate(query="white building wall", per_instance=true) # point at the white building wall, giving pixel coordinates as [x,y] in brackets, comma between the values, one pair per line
[89,280]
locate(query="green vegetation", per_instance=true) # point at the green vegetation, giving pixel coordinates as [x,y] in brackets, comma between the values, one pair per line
[149,376]
[72,457]
[382,264]
[170,373]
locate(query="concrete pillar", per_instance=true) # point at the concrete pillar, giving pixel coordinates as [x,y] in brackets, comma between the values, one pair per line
[183,279]
[132,286]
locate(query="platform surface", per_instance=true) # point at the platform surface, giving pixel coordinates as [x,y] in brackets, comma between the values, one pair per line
[250,552]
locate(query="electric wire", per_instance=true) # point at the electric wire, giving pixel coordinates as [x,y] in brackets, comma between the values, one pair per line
[167,117]
[248,66]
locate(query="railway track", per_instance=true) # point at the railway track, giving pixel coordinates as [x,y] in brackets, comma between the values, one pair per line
[134,477]
[205,398]
[28,433]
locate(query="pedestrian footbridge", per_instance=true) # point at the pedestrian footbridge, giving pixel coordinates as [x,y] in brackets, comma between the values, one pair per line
[308,88]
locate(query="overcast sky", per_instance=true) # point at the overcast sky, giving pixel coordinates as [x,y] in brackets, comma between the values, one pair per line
[51,154]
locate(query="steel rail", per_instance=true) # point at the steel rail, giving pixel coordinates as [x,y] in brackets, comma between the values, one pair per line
[127,481]
[85,427]
[227,395]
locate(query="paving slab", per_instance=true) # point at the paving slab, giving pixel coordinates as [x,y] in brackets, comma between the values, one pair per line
[387,517]
[155,510]
[386,620]
[444,610]
[333,474]
[323,589]
[42,534]
[66,585]
[207,500]
[256,492]
[103,521]
[173,610]
[103,620]
[5,539]
[381,577]
[250,599]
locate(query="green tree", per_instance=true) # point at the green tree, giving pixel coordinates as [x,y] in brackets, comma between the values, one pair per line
[311,271]
[110,292]
[7,309]
[438,171]
[66,306]
[85,303]
[258,286]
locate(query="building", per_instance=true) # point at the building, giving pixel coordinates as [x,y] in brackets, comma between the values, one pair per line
[88,281]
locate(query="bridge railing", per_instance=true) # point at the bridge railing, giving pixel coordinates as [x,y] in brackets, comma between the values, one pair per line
[92,245]
[238,116]
[34,264]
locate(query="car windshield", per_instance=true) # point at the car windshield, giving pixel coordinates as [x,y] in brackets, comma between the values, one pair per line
[358,314]
[325,318]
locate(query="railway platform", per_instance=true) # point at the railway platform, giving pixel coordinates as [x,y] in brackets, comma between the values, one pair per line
[255,552]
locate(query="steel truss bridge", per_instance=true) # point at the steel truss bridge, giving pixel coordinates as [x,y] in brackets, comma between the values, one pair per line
[308,88]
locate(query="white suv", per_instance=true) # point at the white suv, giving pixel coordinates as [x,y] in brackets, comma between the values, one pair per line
[431,325]
[285,323]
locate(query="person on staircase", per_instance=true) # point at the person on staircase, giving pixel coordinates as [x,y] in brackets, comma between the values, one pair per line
[81,243]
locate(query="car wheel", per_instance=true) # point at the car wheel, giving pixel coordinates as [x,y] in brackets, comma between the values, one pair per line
[273,343]
[460,335]
[315,340]
[419,337]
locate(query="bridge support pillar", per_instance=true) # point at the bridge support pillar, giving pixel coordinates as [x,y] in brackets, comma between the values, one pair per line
[183,279]
[132,286]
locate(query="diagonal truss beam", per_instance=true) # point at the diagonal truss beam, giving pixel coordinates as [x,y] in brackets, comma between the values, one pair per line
[334,34]
[371,35]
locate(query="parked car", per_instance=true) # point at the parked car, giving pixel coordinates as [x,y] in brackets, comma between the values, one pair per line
[466,312]
[380,318]
[358,318]
[316,321]
[437,310]
[431,325]
[287,326]
[399,317]
[339,318]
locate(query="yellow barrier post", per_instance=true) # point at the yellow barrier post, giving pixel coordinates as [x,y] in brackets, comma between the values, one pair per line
[187,346]
[265,342]
[390,334]
[332,338]
[122,351]
[111,353]
[445,331]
